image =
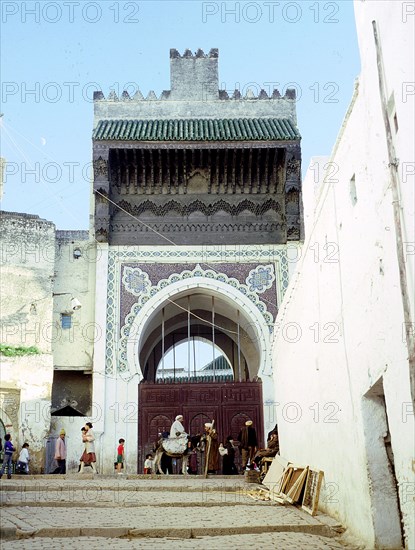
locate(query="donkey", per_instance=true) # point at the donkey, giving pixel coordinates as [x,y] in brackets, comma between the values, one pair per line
[193,442]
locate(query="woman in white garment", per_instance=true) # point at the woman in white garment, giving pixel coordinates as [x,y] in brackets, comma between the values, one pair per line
[88,456]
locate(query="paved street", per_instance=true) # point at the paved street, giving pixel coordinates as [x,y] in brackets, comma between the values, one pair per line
[48,512]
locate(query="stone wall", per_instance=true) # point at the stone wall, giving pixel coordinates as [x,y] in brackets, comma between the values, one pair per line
[282,107]
[27,273]
[25,403]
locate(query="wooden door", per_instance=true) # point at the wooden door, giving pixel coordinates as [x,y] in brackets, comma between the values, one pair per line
[229,404]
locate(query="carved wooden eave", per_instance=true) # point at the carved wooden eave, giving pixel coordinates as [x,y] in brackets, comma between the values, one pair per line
[141,178]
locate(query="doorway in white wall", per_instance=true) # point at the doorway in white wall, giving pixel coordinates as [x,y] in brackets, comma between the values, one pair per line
[386,512]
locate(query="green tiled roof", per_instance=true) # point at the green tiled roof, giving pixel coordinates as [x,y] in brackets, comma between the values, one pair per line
[196,129]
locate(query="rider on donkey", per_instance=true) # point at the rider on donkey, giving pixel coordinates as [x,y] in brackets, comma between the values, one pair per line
[177,428]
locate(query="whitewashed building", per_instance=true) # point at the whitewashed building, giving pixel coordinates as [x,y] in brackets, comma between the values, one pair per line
[343,352]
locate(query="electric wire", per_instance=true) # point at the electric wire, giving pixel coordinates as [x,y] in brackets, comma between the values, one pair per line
[210,266]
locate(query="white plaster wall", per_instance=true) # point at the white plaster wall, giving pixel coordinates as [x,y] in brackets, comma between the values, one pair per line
[114,415]
[121,420]
[347,286]
[311,187]
[395,22]
[73,348]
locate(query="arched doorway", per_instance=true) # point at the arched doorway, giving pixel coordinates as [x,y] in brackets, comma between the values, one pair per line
[203,313]
[229,395]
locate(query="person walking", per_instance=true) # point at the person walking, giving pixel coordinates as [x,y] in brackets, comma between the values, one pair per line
[83,435]
[120,455]
[8,453]
[88,456]
[248,443]
[60,453]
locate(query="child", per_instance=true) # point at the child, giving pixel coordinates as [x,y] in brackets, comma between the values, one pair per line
[8,453]
[148,464]
[120,455]
[23,462]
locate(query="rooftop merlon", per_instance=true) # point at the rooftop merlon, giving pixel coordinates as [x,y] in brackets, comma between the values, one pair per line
[213,53]
[194,76]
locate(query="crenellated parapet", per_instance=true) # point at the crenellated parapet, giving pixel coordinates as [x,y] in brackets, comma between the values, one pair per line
[290,95]
[195,91]
[199,54]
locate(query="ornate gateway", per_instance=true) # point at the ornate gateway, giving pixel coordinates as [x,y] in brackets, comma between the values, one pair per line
[197,197]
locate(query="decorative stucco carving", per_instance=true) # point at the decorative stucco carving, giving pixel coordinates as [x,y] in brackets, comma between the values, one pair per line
[100,167]
[156,255]
[199,206]
[184,227]
[293,169]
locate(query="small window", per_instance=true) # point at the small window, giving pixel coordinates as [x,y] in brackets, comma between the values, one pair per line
[353,193]
[66,320]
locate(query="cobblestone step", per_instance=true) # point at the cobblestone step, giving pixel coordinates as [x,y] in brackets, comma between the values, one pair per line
[130,498]
[180,484]
[169,512]
[150,521]
[264,541]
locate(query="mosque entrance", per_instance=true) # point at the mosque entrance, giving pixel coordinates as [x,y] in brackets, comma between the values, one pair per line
[230,404]
[200,357]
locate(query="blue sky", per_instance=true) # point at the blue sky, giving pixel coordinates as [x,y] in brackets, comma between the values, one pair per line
[54,54]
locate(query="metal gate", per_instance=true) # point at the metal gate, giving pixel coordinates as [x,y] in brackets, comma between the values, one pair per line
[230,404]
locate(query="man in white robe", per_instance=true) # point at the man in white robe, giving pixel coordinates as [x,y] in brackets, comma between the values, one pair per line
[177,442]
[177,428]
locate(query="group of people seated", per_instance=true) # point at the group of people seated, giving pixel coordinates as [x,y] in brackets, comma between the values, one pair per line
[271,450]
